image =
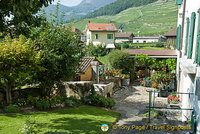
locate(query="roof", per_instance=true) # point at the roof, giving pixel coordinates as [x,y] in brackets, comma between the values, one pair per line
[152,52]
[118,35]
[173,32]
[74,30]
[101,27]
[86,62]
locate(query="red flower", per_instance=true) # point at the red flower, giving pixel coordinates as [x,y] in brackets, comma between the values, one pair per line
[158,69]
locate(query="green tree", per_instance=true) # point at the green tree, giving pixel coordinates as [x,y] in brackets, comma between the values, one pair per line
[97,51]
[145,61]
[122,60]
[18,60]
[62,55]
[18,15]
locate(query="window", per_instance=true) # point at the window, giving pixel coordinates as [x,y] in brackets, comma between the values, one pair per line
[96,36]
[109,36]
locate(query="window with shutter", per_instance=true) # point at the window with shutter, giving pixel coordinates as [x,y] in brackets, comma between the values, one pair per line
[197,52]
[96,36]
[179,2]
[192,26]
[110,36]
[178,37]
[187,34]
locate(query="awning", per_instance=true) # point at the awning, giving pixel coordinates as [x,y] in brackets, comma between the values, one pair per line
[110,46]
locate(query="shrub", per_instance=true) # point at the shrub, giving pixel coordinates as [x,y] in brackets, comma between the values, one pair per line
[161,77]
[69,103]
[11,109]
[121,60]
[99,100]
[42,105]
[2,104]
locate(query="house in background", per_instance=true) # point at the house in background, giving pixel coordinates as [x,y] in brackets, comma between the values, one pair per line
[148,39]
[171,37]
[124,37]
[101,33]
[86,71]
[188,65]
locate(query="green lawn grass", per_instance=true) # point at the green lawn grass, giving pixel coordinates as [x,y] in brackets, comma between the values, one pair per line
[80,120]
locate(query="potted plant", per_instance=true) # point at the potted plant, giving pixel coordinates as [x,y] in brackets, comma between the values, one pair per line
[173,100]
[125,79]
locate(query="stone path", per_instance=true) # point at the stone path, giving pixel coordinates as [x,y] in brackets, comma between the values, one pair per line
[132,103]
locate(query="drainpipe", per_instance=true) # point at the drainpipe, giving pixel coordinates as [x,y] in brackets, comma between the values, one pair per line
[181,43]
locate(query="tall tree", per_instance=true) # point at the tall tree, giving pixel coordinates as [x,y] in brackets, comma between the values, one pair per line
[18,15]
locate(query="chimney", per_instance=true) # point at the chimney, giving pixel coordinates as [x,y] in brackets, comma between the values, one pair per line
[88,21]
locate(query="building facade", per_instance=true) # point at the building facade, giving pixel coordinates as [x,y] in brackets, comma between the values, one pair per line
[188,65]
[100,33]
[148,39]
[171,38]
[124,37]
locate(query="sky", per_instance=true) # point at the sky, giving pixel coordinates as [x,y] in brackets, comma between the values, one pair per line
[68,2]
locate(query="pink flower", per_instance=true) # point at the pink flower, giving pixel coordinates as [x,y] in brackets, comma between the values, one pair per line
[140,81]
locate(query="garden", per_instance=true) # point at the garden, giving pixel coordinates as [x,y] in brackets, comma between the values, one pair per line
[35,62]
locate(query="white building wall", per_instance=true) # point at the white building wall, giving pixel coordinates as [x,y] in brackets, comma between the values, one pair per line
[188,79]
[147,40]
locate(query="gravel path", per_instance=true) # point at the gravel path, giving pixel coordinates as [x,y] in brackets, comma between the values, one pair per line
[132,103]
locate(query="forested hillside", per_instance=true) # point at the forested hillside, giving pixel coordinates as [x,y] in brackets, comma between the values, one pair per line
[153,19]
[118,6]
[85,7]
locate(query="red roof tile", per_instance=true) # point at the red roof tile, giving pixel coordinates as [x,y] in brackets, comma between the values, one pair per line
[101,27]
[152,52]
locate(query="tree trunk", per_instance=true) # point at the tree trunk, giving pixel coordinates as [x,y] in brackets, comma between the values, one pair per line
[9,93]
[146,71]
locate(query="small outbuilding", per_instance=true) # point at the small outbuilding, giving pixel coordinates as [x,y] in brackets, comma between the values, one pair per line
[86,72]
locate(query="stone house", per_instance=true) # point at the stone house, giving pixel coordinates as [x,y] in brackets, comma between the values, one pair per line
[101,33]
[124,37]
[171,37]
[188,65]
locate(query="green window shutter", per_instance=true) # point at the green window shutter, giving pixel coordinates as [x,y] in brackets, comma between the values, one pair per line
[179,2]
[111,36]
[178,37]
[190,48]
[197,52]
[107,36]
[88,36]
[187,34]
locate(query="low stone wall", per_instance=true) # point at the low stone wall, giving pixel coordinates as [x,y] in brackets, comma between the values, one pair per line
[104,89]
[77,89]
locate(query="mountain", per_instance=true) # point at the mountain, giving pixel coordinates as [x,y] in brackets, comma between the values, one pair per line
[152,19]
[85,7]
[118,6]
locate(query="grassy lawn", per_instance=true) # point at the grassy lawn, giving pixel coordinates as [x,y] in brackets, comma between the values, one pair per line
[81,120]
